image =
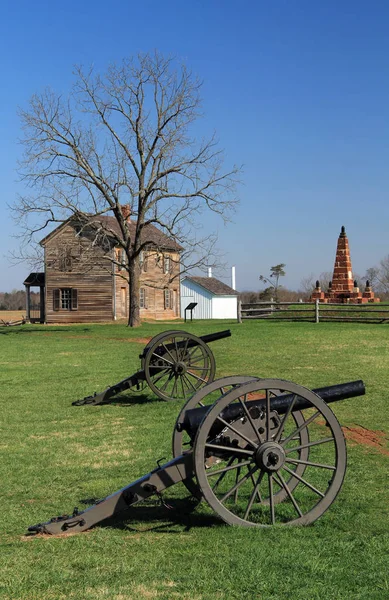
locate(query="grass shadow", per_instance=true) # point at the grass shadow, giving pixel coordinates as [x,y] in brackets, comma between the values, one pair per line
[127,400]
[162,518]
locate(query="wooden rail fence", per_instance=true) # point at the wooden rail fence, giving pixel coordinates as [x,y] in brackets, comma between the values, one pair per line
[314,312]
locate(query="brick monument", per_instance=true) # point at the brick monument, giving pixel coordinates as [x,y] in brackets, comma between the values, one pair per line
[343,289]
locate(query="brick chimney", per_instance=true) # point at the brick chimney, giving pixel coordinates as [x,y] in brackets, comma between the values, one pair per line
[126,212]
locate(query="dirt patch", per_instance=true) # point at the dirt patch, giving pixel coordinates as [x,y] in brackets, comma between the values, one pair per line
[255,396]
[367,437]
[144,341]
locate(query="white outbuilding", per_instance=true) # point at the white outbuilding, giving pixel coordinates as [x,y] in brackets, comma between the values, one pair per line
[215,299]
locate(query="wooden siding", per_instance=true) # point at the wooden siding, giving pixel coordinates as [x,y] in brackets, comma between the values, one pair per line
[72,263]
[89,272]
[154,281]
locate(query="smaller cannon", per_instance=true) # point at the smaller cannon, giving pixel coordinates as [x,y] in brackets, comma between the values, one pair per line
[264,452]
[174,364]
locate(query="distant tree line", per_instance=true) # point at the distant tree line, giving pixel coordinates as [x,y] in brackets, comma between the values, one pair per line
[16,300]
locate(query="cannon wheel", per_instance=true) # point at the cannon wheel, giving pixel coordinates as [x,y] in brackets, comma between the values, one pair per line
[177,364]
[206,396]
[264,462]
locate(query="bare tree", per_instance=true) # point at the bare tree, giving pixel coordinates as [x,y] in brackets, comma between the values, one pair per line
[307,285]
[325,278]
[125,137]
[378,277]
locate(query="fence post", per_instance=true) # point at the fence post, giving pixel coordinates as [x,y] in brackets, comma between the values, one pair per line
[271,305]
[317,310]
[239,311]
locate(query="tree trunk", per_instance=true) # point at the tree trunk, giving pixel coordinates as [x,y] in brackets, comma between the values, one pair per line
[133,288]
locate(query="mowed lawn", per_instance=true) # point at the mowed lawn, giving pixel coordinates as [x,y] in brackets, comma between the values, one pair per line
[54,456]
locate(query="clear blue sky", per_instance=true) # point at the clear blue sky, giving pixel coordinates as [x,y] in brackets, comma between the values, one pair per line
[297,91]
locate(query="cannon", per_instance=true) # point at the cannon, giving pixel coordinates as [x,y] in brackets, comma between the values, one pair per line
[174,364]
[260,452]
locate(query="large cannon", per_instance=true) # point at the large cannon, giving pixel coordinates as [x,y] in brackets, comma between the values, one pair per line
[174,364]
[264,452]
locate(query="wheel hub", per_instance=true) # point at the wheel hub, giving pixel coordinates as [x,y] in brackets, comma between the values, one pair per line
[179,368]
[270,457]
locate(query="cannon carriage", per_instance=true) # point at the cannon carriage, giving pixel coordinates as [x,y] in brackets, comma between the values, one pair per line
[260,452]
[174,364]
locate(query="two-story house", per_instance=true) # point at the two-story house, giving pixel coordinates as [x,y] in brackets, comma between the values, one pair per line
[85,279]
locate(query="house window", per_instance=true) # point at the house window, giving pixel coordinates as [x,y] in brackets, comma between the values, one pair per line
[166,264]
[65,299]
[168,298]
[142,298]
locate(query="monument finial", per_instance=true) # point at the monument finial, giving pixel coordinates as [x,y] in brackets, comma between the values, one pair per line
[343,231]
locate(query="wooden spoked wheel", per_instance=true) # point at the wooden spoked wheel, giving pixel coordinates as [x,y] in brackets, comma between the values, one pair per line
[177,364]
[246,452]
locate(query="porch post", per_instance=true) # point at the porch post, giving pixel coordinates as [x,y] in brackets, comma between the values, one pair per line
[28,301]
[42,303]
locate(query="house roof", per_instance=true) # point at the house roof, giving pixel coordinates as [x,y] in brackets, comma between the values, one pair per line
[150,233]
[214,286]
[37,279]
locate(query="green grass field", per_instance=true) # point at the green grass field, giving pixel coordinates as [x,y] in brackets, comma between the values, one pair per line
[54,455]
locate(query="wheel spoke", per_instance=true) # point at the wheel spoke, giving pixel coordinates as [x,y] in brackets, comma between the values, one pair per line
[182,385]
[255,493]
[230,449]
[229,467]
[193,360]
[188,381]
[168,380]
[238,471]
[305,424]
[310,464]
[258,492]
[168,351]
[271,498]
[162,358]
[197,377]
[239,433]
[237,485]
[174,390]
[182,355]
[287,490]
[155,381]
[309,445]
[304,481]
[222,475]
[286,415]
[249,417]
[176,348]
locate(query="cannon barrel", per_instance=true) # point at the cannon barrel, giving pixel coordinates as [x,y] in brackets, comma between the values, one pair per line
[331,393]
[207,339]
[213,337]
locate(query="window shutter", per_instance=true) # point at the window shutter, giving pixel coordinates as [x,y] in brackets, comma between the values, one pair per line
[74,304]
[56,295]
[171,298]
[145,263]
[145,298]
